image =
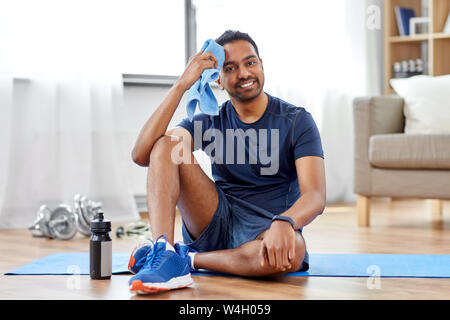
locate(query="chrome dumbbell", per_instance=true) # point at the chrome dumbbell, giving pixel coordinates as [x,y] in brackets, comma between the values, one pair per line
[85,211]
[39,227]
[59,223]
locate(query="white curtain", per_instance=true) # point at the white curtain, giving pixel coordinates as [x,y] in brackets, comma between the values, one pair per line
[316,54]
[59,96]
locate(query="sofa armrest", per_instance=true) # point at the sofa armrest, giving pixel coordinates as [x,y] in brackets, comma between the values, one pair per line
[382,114]
[372,115]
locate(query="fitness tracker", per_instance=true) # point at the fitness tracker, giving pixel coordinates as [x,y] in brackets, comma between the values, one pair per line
[284,218]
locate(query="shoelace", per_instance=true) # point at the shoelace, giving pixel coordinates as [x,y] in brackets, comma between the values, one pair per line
[153,258]
[183,250]
[142,260]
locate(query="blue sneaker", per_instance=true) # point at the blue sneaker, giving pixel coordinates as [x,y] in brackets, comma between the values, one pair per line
[183,251]
[163,270]
[139,255]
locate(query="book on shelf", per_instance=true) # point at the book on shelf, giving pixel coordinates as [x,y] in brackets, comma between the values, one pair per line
[403,15]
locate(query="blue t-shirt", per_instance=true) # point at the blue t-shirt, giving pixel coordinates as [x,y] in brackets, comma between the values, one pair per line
[258,178]
[254,163]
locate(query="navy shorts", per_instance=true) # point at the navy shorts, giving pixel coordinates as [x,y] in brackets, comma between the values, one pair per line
[234,223]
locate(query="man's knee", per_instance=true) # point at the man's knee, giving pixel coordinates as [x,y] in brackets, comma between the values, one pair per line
[251,251]
[164,143]
[300,249]
[171,146]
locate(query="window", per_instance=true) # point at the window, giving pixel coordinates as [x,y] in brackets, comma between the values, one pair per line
[132,36]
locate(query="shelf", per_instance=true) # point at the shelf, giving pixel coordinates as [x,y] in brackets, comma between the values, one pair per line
[433,47]
[419,37]
[441,35]
[416,38]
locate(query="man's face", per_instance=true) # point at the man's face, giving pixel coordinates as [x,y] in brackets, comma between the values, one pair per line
[242,74]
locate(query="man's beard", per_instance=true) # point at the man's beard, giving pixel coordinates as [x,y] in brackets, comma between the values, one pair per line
[248,98]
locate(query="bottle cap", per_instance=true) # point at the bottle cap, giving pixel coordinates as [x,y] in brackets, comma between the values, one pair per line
[100,224]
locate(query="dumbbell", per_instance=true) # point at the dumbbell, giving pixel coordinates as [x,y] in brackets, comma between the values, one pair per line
[64,222]
[39,227]
[59,223]
[85,211]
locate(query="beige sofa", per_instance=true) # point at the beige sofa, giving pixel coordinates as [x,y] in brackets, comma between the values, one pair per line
[390,163]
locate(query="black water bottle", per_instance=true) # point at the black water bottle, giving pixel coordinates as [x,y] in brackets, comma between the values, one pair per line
[100,248]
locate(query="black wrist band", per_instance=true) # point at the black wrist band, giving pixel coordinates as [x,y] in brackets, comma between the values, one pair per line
[284,218]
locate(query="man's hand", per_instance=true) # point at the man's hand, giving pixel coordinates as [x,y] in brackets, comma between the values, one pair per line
[278,246]
[196,65]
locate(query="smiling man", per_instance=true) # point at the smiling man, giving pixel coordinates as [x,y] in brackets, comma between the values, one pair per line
[249,220]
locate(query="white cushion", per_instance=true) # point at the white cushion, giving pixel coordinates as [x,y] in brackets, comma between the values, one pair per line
[427,103]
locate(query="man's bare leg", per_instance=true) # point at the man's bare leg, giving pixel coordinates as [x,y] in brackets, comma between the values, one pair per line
[170,183]
[246,259]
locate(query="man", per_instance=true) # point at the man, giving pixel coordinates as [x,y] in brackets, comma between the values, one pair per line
[228,223]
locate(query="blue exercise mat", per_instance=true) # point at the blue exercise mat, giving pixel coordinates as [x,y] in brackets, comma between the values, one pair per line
[321,265]
[69,263]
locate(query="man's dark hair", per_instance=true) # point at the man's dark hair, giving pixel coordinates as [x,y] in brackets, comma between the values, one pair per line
[232,35]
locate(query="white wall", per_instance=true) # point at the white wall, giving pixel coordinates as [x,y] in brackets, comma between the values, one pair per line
[140,101]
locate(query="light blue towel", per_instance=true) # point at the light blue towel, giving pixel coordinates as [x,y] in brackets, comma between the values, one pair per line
[201,92]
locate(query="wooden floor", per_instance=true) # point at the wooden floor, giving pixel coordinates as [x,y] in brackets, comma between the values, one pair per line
[398,226]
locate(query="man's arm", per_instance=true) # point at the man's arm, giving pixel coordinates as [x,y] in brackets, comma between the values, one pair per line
[156,125]
[278,245]
[311,180]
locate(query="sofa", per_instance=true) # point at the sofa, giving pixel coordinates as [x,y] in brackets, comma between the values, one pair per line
[391,163]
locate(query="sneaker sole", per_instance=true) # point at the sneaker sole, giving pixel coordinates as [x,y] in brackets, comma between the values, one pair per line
[139,287]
